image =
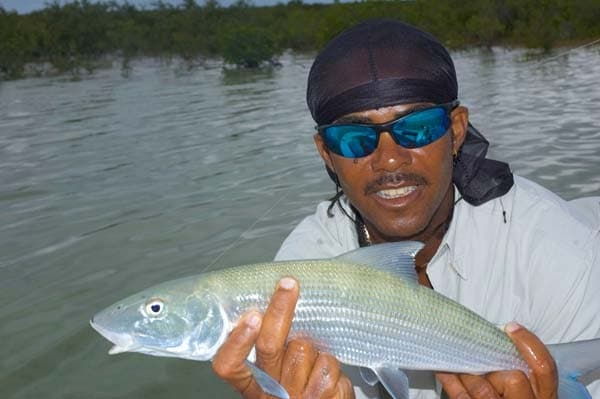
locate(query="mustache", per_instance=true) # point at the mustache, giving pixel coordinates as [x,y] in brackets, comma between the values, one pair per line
[394,177]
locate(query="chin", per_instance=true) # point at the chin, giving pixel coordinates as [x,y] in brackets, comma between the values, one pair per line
[402,231]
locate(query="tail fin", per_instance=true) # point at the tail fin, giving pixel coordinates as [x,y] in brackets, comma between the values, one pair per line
[575,361]
[570,388]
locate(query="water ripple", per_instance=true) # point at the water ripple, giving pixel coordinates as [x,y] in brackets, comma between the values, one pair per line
[114,183]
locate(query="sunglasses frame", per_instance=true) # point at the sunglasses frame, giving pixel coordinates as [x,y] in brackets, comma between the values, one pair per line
[386,126]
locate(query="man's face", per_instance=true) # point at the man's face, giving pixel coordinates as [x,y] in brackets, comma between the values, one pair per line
[400,193]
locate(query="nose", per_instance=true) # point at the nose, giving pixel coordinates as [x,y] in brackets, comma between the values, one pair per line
[389,156]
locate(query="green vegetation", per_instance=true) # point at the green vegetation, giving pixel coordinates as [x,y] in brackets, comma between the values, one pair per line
[77,36]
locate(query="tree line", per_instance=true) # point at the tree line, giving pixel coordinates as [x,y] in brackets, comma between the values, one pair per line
[79,35]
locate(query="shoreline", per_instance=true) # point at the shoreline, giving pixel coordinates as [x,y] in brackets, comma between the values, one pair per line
[77,36]
[128,64]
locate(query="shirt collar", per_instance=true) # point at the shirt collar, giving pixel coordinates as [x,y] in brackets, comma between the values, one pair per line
[459,237]
[449,244]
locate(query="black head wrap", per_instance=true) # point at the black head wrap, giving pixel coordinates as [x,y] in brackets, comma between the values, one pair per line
[380,63]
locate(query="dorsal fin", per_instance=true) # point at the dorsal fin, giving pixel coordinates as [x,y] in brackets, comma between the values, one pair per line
[397,258]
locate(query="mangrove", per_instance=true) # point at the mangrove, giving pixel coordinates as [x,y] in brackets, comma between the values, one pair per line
[79,35]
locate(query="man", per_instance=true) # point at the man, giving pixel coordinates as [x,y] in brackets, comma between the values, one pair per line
[409,166]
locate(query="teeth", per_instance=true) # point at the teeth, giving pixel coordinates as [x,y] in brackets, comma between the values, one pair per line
[396,192]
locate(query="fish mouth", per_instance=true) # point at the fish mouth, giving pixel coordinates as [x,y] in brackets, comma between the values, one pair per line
[122,342]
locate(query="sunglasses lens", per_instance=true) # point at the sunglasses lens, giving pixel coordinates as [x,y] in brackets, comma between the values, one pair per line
[350,141]
[415,130]
[421,128]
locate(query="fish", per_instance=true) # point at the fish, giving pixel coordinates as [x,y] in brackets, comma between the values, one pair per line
[365,307]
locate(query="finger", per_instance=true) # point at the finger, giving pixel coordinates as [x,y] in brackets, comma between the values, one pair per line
[324,377]
[478,387]
[297,364]
[228,362]
[544,375]
[345,389]
[276,324]
[452,385]
[511,384]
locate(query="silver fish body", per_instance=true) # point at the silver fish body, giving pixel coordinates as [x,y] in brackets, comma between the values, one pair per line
[364,307]
[363,315]
[371,318]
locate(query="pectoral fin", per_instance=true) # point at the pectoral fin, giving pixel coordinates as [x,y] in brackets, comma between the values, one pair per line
[395,382]
[267,383]
[368,376]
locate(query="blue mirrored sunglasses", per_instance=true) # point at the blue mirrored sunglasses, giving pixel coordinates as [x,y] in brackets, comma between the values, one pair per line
[417,129]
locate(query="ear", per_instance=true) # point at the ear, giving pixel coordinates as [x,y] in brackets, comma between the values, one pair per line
[459,124]
[323,151]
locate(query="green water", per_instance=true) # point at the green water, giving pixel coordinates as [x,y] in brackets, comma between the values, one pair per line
[113,183]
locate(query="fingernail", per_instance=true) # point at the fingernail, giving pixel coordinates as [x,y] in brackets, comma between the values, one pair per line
[287,283]
[512,327]
[253,321]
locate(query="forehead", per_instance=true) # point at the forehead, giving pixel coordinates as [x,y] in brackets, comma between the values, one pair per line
[383,114]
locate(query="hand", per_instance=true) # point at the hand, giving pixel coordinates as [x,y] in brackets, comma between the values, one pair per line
[298,366]
[541,384]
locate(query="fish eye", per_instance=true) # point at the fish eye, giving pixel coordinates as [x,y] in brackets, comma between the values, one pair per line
[154,307]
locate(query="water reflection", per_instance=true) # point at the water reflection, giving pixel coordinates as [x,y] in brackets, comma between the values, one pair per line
[241,76]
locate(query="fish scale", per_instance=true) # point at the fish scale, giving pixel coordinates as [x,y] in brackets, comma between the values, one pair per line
[397,320]
[365,307]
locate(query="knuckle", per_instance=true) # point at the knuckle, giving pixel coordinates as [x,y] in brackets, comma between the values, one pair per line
[330,360]
[515,379]
[345,386]
[328,387]
[328,375]
[248,393]
[278,306]
[546,368]
[299,353]
[299,346]
[462,395]
[267,347]
[282,303]
[330,370]
[481,389]
[223,369]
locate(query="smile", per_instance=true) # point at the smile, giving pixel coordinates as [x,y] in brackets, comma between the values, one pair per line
[396,192]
